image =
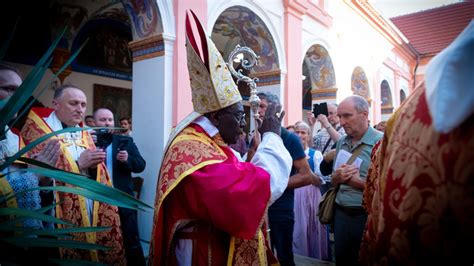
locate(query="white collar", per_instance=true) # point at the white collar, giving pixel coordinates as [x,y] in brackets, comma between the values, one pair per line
[207,125]
[449,83]
[54,123]
[10,145]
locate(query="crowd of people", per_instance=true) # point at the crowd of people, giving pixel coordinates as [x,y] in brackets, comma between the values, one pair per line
[405,197]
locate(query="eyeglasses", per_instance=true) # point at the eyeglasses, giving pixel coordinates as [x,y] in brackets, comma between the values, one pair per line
[240,116]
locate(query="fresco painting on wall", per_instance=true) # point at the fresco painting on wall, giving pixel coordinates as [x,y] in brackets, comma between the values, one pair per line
[386,97]
[146,17]
[239,25]
[320,67]
[359,83]
[118,100]
[106,52]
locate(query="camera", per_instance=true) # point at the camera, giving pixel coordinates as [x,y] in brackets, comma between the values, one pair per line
[104,138]
[321,108]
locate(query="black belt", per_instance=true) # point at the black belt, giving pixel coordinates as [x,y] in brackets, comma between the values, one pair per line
[352,210]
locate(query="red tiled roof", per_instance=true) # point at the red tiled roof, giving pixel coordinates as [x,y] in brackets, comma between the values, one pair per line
[431,31]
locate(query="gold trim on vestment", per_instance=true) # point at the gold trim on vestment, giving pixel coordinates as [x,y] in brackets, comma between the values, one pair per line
[90,236]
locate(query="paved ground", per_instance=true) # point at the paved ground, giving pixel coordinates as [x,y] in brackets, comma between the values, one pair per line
[305,261]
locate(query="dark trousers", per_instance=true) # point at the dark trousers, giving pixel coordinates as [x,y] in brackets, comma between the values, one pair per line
[131,239]
[348,229]
[281,235]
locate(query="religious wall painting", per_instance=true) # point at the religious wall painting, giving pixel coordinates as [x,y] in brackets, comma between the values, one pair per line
[67,15]
[75,14]
[386,98]
[239,25]
[359,83]
[106,52]
[320,68]
[145,16]
[118,100]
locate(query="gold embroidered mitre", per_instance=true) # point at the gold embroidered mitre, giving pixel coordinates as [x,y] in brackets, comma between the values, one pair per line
[211,82]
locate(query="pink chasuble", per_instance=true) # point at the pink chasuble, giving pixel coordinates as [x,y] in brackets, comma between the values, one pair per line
[206,195]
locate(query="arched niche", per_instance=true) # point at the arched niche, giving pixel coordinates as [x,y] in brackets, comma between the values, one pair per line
[359,83]
[386,98]
[403,96]
[240,25]
[319,79]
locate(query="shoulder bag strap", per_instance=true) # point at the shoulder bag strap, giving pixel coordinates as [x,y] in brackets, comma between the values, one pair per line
[329,140]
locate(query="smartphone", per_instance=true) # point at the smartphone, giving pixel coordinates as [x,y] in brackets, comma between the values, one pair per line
[321,108]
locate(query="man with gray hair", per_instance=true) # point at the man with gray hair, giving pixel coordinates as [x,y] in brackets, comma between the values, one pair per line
[349,215]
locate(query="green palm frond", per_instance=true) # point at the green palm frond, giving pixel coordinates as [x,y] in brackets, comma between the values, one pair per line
[86,187]
[38,141]
[48,85]
[18,212]
[21,95]
[26,242]
[64,231]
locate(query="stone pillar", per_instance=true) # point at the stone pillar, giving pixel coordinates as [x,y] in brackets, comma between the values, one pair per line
[182,102]
[293,99]
[396,89]
[151,113]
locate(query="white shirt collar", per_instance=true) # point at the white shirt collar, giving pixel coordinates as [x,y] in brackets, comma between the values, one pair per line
[207,125]
[10,145]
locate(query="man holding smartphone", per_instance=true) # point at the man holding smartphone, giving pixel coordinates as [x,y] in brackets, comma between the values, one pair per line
[122,159]
[330,132]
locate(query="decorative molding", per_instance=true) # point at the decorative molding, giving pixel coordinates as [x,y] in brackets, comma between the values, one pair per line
[147,48]
[372,16]
[299,8]
[295,8]
[386,110]
[396,68]
[326,94]
[319,14]
[268,78]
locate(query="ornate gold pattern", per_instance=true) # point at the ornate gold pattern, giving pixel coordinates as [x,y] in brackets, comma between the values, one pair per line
[424,180]
[73,208]
[213,88]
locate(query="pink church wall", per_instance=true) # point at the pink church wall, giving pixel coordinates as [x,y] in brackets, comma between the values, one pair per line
[182,102]
[293,45]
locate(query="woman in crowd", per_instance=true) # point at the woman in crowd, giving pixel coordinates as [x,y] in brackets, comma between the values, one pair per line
[309,236]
